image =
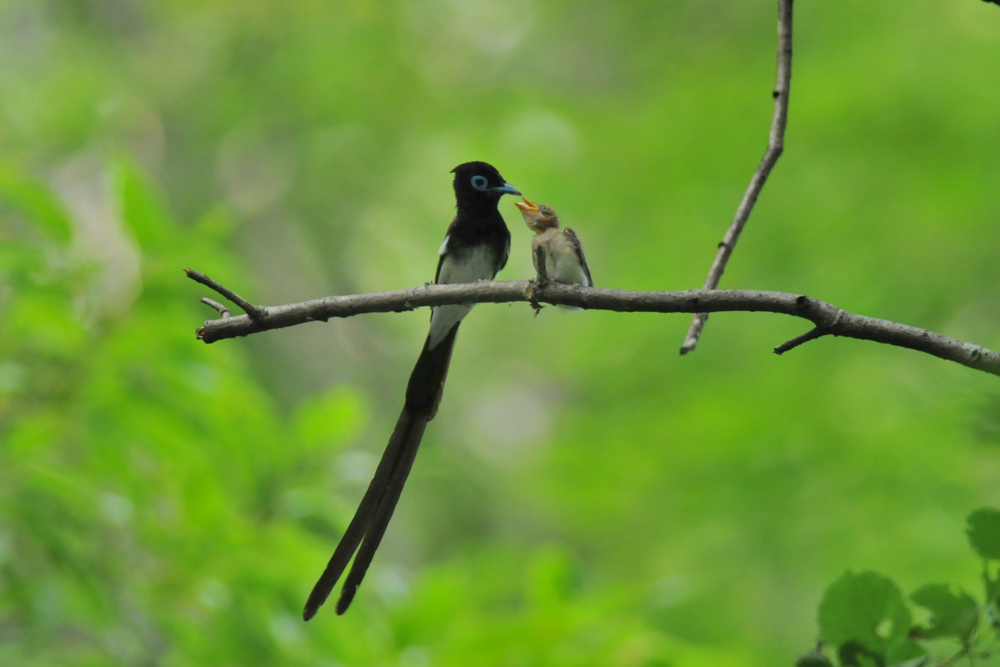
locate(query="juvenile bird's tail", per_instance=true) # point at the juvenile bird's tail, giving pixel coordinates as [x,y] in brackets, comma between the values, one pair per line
[364,533]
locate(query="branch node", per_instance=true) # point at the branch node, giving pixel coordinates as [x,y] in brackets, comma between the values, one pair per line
[255,313]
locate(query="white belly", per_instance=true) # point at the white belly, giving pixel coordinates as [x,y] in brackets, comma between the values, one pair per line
[566,270]
[477,264]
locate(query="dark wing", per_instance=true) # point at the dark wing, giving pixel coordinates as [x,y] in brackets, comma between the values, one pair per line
[504,256]
[575,240]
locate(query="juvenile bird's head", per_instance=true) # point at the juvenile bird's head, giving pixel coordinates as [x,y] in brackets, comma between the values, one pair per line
[538,218]
[479,185]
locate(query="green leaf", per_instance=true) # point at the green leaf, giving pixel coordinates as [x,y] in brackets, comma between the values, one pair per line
[912,662]
[953,611]
[864,609]
[853,654]
[814,658]
[983,528]
[904,652]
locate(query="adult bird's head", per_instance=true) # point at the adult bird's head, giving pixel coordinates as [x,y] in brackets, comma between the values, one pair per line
[538,218]
[479,185]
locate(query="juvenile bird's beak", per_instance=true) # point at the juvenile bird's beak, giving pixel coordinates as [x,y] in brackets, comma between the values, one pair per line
[507,189]
[527,206]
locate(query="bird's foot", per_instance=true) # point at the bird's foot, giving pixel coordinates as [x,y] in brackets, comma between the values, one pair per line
[531,292]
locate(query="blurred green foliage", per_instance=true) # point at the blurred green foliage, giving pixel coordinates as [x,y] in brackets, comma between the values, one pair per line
[585,496]
[865,621]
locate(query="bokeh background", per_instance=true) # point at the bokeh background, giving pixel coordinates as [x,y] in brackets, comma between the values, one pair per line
[586,496]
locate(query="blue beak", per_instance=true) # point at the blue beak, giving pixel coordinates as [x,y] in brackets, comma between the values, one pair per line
[507,189]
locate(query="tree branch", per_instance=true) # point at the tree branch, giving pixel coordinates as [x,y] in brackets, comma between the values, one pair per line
[827,319]
[255,313]
[775,146]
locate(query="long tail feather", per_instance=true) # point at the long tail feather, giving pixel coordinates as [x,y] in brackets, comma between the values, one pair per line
[423,395]
[380,521]
[362,520]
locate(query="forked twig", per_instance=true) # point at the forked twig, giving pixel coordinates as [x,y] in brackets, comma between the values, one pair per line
[255,313]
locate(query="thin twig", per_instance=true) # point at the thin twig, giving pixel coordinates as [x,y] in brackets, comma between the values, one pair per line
[255,313]
[223,311]
[826,317]
[775,146]
[799,340]
[818,332]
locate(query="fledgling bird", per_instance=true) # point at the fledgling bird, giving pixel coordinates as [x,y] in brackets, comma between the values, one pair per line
[563,252]
[475,248]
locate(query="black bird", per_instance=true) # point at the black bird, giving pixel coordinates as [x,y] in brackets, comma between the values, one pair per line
[475,248]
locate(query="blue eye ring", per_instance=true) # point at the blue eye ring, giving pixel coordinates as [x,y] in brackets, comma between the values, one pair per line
[480,183]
